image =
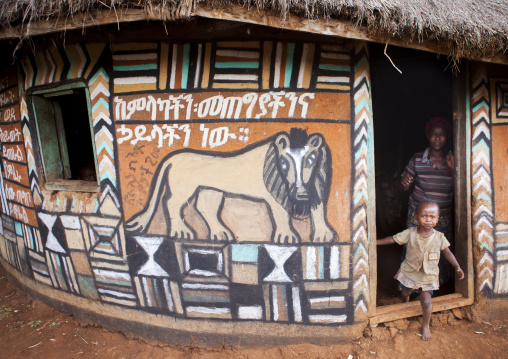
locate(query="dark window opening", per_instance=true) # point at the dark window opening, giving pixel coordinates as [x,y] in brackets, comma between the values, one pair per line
[65,137]
[402,104]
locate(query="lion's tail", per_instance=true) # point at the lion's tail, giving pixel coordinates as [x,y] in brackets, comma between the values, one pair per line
[140,221]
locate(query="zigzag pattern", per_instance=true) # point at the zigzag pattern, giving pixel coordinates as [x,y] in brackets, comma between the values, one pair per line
[103,128]
[58,64]
[32,168]
[483,228]
[362,103]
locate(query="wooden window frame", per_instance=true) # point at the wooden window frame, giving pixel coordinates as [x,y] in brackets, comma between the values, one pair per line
[49,122]
[464,289]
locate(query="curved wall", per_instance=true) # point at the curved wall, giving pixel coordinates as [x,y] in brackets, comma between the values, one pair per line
[230,198]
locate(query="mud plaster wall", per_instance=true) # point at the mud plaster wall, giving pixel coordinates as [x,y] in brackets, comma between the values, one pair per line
[215,244]
[489,116]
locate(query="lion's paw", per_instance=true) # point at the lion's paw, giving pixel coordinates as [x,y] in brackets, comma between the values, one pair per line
[181,232]
[222,235]
[324,235]
[286,237]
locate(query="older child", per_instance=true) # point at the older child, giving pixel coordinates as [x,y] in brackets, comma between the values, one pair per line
[420,270]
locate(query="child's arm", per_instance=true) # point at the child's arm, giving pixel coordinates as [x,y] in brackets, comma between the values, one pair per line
[453,261]
[384,241]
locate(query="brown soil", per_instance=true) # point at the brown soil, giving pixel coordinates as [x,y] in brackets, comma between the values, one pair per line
[31,329]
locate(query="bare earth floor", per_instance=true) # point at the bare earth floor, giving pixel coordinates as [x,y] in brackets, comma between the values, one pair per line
[31,329]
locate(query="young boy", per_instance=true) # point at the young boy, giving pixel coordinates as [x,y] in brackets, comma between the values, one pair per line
[420,270]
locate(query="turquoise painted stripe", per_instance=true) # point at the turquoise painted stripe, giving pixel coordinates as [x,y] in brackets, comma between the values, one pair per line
[501,245]
[108,176]
[101,71]
[361,63]
[360,292]
[483,103]
[73,207]
[237,65]
[485,197]
[185,65]
[31,236]
[361,105]
[116,282]
[481,144]
[96,205]
[360,246]
[136,67]
[57,204]
[105,145]
[101,102]
[321,261]
[244,253]
[205,298]
[362,147]
[363,193]
[19,229]
[289,65]
[486,246]
[343,68]
[71,62]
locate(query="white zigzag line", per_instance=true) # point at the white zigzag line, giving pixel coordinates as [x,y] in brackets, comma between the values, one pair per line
[487,283]
[361,305]
[361,163]
[106,162]
[480,92]
[363,75]
[360,135]
[482,77]
[106,132]
[360,184]
[361,262]
[363,89]
[484,220]
[359,232]
[35,184]
[486,257]
[482,156]
[100,89]
[488,270]
[109,190]
[483,211]
[102,116]
[483,183]
[481,116]
[361,213]
[482,172]
[481,128]
[362,279]
[484,236]
[364,118]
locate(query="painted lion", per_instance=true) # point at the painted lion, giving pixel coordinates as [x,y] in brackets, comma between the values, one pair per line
[290,173]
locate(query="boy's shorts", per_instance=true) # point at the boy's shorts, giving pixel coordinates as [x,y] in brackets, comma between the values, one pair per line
[402,286]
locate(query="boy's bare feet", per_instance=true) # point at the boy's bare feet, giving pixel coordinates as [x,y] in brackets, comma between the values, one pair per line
[426,333]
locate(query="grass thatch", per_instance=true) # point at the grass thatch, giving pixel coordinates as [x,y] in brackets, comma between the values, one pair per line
[467,28]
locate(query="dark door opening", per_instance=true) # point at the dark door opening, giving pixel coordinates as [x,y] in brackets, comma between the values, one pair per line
[402,104]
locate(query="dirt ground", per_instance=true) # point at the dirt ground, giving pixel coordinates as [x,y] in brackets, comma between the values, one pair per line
[31,329]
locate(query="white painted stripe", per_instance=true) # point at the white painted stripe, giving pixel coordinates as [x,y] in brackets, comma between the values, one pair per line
[112,274]
[202,272]
[311,263]
[250,312]
[326,299]
[275,303]
[328,318]
[147,292]
[334,79]
[169,297]
[70,222]
[198,66]
[173,67]
[118,294]
[334,263]
[208,310]
[204,286]
[301,73]
[235,77]
[203,251]
[331,55]
[237,53]
[297,307]
[135,80]
[147,56]
[276,74]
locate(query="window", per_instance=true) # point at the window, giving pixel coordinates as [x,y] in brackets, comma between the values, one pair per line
[65,137]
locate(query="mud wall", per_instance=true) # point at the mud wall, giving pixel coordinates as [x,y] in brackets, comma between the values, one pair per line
[232,176]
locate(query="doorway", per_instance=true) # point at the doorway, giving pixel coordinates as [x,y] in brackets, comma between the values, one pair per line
[402,104]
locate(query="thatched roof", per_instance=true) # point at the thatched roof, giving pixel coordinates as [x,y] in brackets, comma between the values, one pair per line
[464,28]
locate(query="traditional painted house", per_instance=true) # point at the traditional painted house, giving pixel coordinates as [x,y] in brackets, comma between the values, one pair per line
[218,169]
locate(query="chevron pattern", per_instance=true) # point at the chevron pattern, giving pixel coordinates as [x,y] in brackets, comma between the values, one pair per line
[60,63]
[32,168]
[362,103]
[103,129]
[483,218]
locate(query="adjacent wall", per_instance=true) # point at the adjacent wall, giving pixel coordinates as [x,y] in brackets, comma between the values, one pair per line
[233,183]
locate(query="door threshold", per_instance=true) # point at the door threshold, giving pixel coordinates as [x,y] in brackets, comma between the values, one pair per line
[388,313]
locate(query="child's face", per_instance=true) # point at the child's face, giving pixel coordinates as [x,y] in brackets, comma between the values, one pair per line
[437,137]
[428,215]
